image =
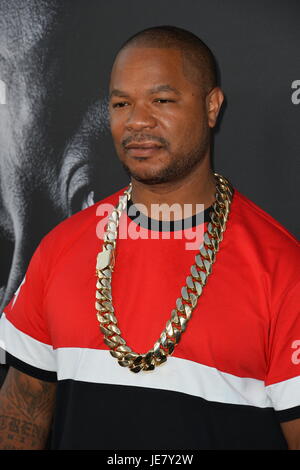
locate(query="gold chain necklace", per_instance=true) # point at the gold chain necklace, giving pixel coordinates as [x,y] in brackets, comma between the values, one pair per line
[190,293]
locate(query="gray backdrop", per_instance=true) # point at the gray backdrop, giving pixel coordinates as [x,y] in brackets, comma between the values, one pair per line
[56,155]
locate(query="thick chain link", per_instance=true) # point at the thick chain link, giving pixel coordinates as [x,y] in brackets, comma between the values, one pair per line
[190,293]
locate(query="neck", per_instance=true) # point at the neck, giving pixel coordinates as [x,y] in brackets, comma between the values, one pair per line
[197,188]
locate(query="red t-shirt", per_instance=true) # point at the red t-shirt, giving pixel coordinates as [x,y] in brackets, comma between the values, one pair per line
[232,378]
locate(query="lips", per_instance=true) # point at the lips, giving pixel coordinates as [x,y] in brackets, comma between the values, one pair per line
[143,145]
[142,149]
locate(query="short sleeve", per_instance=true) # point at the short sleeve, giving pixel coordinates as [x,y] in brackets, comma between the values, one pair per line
[283,377]
[24,332]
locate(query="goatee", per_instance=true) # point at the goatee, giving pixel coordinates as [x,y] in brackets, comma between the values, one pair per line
[178,169]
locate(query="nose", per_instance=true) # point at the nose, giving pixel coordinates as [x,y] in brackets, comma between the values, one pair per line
[139,118]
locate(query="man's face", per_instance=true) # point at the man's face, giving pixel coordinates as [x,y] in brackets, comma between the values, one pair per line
[158,117]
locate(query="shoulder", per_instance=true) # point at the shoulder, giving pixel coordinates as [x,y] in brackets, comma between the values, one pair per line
[67,232]
[270,246]
[258,223]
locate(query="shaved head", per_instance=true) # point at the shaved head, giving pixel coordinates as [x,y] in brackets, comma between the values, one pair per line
[199,65]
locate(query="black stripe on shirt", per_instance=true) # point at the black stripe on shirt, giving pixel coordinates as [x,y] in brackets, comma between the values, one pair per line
[35,372]
[289,414]
[96,416]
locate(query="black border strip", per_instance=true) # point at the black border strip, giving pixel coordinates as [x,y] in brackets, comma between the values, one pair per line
[35,372]
[289,414]
[171,226]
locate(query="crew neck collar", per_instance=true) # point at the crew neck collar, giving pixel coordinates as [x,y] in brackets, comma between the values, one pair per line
[166,226]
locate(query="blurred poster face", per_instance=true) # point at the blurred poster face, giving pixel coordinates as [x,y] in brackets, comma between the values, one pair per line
[51,127]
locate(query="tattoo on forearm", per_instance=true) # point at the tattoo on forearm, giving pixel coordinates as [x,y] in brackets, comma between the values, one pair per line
[26,409]
[24,432]
[31,403]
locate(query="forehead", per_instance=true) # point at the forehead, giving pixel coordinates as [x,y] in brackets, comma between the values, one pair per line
[143,67]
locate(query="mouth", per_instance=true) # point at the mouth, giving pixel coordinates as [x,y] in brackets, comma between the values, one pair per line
[142,149]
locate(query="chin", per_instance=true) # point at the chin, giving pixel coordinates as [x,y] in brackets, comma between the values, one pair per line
[152,178]
[147,176]
[149,181]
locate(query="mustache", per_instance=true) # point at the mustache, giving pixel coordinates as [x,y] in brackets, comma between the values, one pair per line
[144,138]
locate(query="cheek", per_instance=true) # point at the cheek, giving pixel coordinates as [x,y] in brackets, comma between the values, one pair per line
[174,129]
[185,126]
[185,136]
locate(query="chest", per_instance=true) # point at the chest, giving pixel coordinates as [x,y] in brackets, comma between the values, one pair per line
[228,329]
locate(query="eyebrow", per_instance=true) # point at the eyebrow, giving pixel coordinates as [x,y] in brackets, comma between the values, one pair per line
[119,93]
[159,88]
[152,91]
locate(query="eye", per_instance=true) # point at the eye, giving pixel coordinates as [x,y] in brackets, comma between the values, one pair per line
[164,100]
[120,104]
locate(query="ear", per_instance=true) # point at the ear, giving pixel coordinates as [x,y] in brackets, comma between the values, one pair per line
[214,101]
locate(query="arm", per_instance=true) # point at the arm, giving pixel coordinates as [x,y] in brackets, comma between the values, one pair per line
[291,431]
[26,410]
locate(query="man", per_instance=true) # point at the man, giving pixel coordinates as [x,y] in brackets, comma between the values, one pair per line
[224,371]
